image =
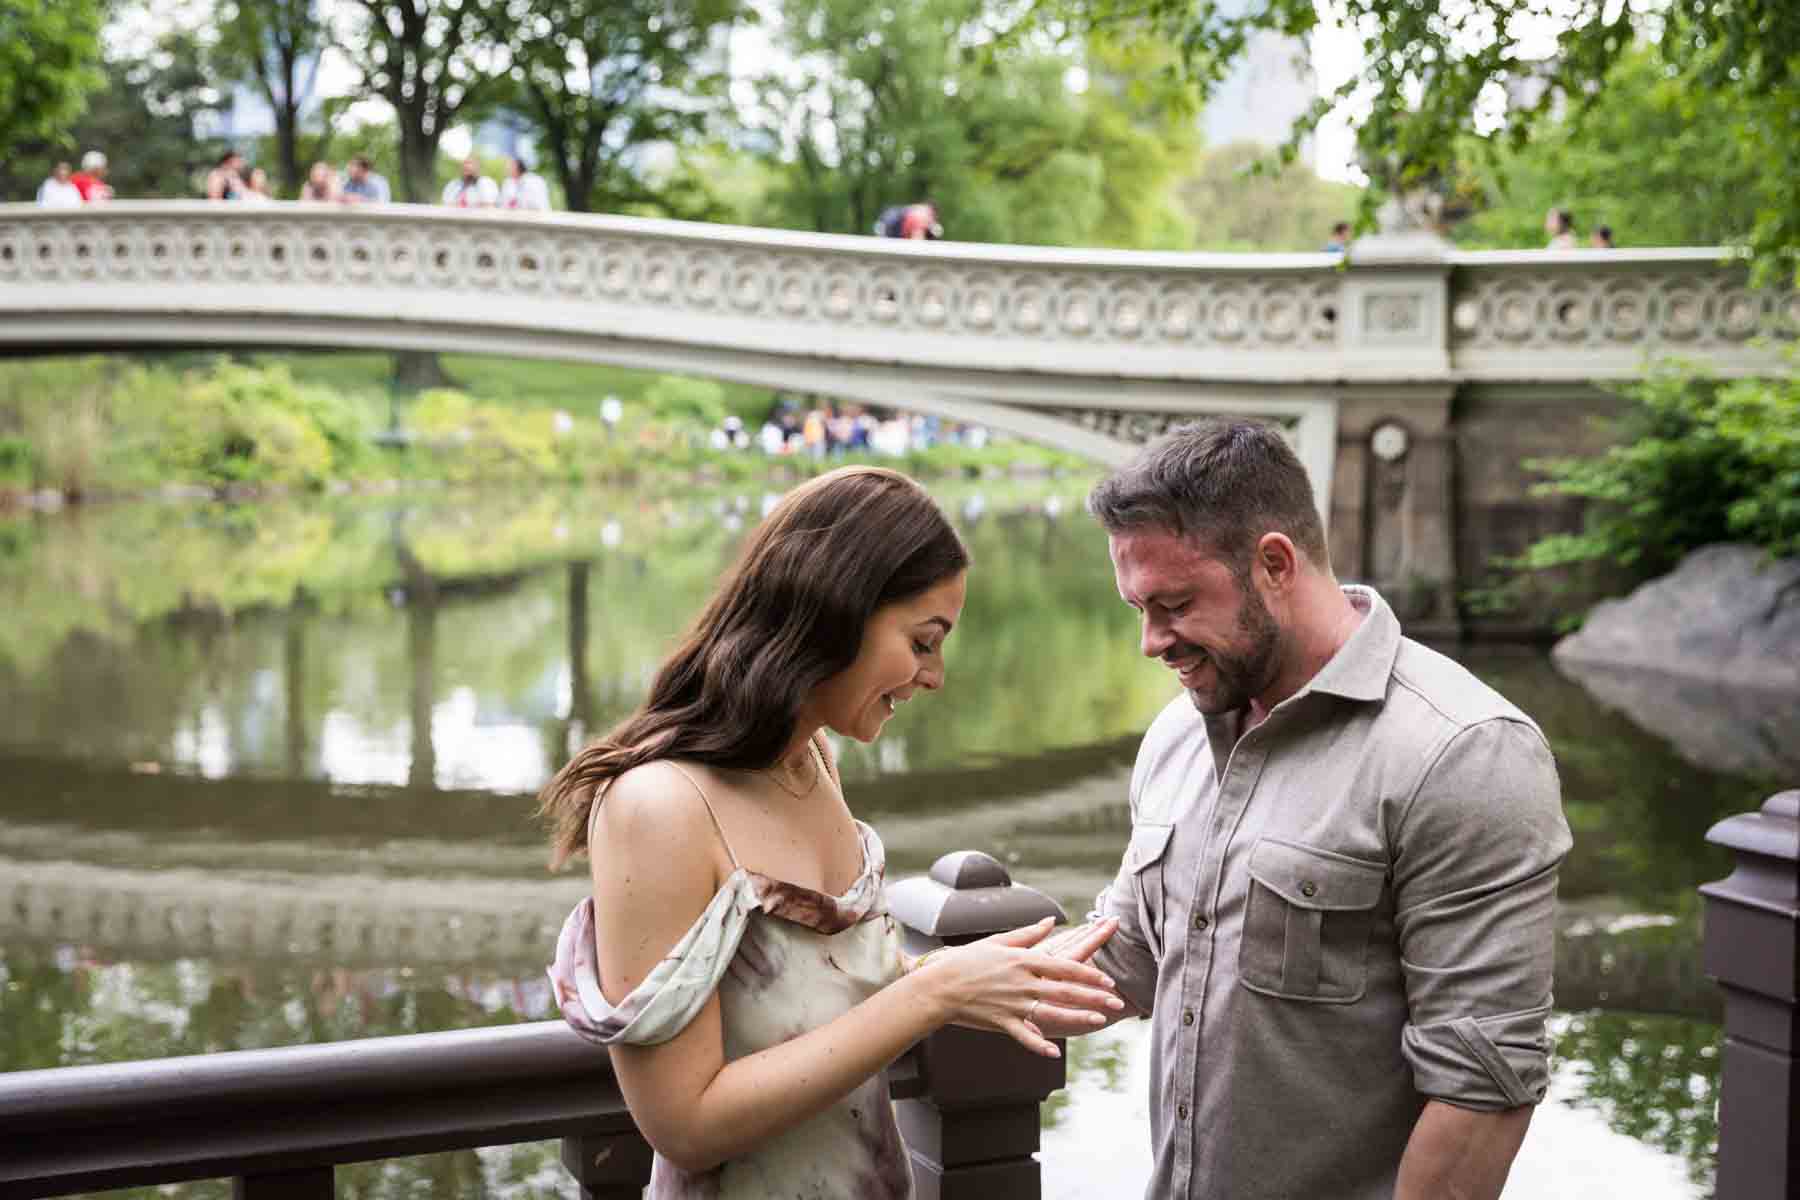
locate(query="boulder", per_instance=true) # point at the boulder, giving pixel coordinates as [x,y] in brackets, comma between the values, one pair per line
[1726,615]
[1706,657]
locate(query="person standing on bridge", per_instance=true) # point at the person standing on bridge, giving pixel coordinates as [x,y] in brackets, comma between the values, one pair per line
[736,953]
[471,189]
[1337,904]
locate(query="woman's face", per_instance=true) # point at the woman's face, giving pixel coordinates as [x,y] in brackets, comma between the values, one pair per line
[902,651]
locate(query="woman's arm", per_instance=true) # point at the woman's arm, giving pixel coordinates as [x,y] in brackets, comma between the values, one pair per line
[655,867]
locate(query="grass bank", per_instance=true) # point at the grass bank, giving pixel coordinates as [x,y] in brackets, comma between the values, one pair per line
[120,426]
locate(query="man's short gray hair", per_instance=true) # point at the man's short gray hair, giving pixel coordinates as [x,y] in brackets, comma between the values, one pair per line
[93,160]
[1224,483]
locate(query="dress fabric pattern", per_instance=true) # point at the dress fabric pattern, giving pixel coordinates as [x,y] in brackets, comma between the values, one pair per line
[784,960]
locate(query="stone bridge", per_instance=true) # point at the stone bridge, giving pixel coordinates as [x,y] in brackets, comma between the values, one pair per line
[1413,379]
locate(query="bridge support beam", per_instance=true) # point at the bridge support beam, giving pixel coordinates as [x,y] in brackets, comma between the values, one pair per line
[1393,520]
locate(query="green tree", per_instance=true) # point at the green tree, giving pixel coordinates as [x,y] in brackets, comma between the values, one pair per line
[1235,206]
[1696,461]
[600,79]
[433,63]
[274,44]
[1436,73]
[49,62]
[885,107]
[143,117]
[1660,161]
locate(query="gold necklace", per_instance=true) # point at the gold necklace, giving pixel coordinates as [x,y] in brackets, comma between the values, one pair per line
[773,773]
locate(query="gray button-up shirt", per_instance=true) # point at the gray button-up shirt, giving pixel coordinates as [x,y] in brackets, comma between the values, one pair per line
[1339,914]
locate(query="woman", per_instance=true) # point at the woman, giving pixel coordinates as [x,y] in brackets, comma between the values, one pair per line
[321,186]
[735,952]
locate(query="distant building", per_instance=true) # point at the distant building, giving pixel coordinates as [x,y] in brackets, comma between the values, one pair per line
[1268,89]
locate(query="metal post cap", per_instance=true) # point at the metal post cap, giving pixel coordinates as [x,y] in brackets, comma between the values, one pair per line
[968,894]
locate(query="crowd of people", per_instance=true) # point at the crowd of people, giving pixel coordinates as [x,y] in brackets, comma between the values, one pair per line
[1559,223]
[233,178]
[831,431]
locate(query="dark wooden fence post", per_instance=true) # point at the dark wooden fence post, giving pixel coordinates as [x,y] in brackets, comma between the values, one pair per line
[972,1131]
[1750,946]
[609,1165]
[308,1183]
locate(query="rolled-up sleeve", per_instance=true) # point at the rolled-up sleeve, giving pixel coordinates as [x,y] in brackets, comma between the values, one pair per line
[1127,956]
[1478,847]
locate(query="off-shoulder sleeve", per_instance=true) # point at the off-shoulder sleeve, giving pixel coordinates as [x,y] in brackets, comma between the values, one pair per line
[676,989]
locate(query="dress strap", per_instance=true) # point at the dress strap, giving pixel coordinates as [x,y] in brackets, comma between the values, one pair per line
[594,807]
[709,811]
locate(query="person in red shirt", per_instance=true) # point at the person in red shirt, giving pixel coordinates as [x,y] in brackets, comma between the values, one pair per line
[90,181]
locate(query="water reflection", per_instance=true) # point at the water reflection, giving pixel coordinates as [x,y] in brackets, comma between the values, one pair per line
[268,778]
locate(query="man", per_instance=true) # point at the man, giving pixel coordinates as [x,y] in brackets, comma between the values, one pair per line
[1337,903]
[524,188]
[1340,238]
[226,180]
[90,181]
[362,185]
[471,189]
[59,190]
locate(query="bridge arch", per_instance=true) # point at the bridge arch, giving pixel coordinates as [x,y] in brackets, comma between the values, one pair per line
[1087,350]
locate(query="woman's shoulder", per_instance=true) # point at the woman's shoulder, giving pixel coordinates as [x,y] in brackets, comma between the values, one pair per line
[661,806]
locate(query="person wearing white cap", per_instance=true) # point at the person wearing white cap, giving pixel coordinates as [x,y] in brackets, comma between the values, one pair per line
[90,181]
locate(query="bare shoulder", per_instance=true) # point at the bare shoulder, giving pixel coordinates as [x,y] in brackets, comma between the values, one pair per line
[652,813]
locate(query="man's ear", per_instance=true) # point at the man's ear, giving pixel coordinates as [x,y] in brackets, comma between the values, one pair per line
[1279,561]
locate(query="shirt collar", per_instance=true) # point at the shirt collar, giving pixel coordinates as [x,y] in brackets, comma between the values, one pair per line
[1362,665]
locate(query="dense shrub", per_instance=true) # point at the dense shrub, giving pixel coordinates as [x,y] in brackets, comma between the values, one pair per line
[1696,460]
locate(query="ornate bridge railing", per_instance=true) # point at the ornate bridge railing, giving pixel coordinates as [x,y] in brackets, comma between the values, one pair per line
[1090,349]
[1413,378]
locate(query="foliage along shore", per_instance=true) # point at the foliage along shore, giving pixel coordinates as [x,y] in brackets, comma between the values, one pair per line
[92,428]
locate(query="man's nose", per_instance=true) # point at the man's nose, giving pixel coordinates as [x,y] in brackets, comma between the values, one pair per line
[1156,638]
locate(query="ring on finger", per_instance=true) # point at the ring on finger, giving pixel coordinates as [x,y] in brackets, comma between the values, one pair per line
[1033,1008]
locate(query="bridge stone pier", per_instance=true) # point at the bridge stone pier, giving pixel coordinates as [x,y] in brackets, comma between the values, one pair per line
[1412,378]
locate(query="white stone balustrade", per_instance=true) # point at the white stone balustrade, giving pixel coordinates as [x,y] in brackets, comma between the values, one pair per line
[1089,350]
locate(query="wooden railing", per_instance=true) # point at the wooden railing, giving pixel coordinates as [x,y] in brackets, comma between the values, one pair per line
[278,1121]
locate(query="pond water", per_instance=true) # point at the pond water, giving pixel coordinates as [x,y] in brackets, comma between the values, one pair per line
[268,773]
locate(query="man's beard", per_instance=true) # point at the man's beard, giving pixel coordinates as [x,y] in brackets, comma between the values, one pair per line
[1240,676]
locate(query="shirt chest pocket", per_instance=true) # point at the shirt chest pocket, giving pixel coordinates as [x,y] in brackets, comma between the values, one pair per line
[1144,859]
[1306,923]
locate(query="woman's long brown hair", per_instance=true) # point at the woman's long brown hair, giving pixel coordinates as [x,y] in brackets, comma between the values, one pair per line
[789,616]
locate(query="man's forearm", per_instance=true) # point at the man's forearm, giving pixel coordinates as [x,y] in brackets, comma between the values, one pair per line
[1459,1153]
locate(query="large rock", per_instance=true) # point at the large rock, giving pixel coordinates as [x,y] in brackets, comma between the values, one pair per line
[1727,615]
[1707,657]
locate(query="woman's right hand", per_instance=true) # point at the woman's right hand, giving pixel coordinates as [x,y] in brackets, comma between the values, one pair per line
[1006,983]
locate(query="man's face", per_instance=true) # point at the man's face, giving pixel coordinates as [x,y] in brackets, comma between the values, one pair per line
[1216,635]
[359,171]
[62,172]
[470,170]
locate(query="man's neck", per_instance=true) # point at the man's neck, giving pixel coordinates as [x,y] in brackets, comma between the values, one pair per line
[1328,620]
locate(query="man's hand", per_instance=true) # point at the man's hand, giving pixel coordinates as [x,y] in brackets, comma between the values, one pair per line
[1079,942]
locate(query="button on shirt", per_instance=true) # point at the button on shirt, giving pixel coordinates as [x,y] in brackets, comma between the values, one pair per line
[1334,917]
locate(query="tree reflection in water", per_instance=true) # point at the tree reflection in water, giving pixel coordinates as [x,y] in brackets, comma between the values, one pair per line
[1653,1078]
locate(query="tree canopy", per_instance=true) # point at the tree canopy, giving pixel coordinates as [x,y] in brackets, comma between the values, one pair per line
[1435,74]
[142,117]
[49,62]
[887,107]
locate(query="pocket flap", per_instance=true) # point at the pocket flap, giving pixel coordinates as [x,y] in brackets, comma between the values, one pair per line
[1147,845]
[1316,879]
